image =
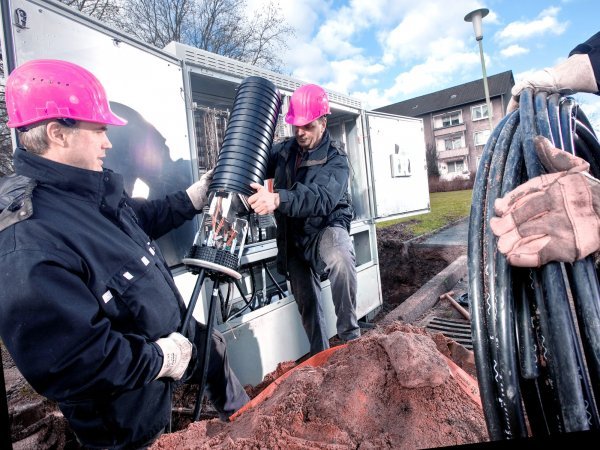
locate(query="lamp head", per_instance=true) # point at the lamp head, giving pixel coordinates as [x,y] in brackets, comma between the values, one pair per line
[476,17]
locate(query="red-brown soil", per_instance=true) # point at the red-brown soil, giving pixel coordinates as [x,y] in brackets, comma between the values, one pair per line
[390,389]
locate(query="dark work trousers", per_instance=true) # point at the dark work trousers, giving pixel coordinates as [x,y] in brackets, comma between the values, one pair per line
[337,252]
[223,388]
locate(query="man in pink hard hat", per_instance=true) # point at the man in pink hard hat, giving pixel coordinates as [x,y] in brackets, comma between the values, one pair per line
[312,206]
[90,312]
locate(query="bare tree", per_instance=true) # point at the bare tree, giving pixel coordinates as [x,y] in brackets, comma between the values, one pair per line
[156,22]
[218,26]
[105,10]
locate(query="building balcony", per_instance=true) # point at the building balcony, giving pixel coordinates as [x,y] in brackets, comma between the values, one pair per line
[454,153]
[450,130]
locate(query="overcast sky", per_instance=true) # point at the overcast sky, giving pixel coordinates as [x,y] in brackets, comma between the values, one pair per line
[385,51]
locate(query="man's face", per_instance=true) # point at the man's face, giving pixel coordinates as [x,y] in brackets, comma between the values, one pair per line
[86,146]
[309,135]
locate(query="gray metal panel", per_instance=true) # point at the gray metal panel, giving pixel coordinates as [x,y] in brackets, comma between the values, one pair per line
[399,166]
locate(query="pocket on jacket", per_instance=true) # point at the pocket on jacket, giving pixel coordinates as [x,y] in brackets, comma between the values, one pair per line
[139,295]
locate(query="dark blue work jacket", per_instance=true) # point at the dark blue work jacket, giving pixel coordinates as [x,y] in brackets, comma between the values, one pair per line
[591,47]
[85,292]
[312,196]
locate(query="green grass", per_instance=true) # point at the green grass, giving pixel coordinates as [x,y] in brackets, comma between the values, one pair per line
[446,207]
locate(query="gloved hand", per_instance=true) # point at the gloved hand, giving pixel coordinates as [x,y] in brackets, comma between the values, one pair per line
[575,74]
[263,201]
[554,217]
[198,192]
[177,352]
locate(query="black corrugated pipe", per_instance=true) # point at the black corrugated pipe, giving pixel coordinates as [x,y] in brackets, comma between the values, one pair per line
[249,135]
[538,364]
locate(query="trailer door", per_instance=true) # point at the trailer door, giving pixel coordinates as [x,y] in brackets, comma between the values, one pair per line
[396,147]
[144,85]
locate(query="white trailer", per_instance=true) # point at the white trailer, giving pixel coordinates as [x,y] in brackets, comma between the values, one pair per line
[177,102]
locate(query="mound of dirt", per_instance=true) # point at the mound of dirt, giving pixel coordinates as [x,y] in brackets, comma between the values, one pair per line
[390,389]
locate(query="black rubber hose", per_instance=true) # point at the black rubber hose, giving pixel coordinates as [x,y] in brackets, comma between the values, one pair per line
[483,363]
[499,317]
[521,319]
[556,326]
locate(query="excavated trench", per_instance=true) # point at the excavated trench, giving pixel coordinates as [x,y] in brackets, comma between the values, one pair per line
[405,266]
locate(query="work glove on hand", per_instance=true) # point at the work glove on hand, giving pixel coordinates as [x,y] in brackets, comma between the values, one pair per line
[575,74]
[554,217]
[263,201]
[177,352]
[198,192]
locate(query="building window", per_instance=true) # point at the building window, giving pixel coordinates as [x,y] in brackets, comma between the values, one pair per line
[479,112]
[448,119]
[455,166]
[453,142]
[481,137]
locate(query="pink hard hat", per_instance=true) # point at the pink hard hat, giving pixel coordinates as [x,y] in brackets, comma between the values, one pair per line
[45,89]
[308,102]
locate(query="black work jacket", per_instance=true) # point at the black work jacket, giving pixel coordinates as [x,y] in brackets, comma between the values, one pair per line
[312,197]
[85,293]
[591,47]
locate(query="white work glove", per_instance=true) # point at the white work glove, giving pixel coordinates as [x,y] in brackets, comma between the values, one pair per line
[177,352]
[198,192]
[553,217]
[575,74]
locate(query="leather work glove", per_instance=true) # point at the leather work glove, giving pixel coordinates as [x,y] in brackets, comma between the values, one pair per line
[554,217]
[198,192]
[575,74]
[177,352]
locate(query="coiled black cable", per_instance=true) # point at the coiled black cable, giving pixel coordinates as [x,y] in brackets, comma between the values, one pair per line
[535,332]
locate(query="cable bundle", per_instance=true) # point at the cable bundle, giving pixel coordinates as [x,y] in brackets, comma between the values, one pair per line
[535,332]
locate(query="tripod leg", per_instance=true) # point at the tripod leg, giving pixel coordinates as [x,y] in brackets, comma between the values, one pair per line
[192,304]
[209,328]
[186,321]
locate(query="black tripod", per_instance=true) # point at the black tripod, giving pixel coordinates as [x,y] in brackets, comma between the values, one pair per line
[219,267]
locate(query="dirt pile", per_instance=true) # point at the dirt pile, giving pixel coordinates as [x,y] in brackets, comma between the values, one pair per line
[390,389]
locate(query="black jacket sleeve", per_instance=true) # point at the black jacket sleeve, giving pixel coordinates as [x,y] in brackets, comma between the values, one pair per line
[591,47]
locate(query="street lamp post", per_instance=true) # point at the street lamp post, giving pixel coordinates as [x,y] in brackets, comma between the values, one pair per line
[476,17]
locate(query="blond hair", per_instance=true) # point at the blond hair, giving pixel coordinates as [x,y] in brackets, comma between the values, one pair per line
[35,139]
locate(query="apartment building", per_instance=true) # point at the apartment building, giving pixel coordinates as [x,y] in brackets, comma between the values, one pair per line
[456,123]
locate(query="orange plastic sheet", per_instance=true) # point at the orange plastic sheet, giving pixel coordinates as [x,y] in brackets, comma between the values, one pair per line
[466,382]
[315,361]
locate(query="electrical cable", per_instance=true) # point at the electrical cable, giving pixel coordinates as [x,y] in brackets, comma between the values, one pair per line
[535,332]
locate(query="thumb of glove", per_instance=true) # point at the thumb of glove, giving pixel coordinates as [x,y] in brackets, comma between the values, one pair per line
[556,160]
[198,192]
